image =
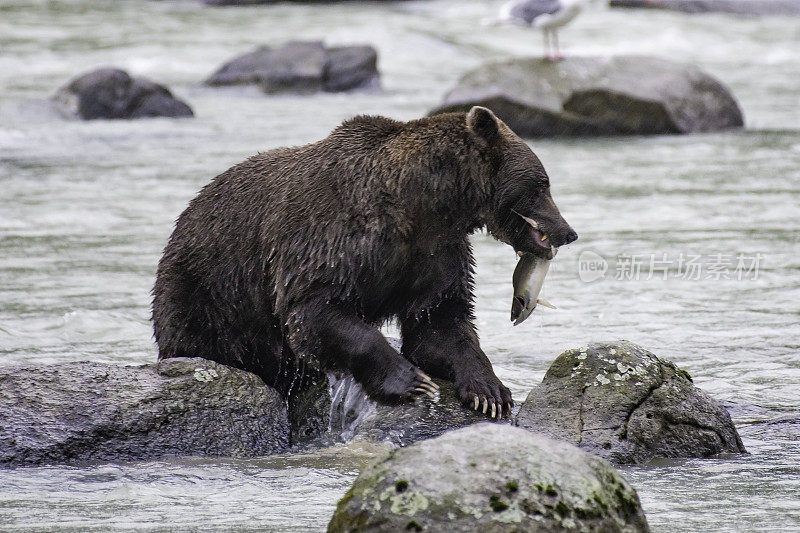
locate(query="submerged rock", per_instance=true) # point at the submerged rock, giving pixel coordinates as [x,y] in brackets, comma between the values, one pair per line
[303,68]
[77,412]
[738,7]
[592,96]
[621,402]
[489,477]
[110,93]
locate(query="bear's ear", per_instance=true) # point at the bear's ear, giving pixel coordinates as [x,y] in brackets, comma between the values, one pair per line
[483,123]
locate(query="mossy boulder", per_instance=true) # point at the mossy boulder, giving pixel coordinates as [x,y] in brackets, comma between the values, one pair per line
[489,478]
[596,96]
[110,93]
[78,412]
[621,402]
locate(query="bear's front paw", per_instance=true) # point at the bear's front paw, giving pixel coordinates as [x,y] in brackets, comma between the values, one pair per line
[402,383]
[484,392]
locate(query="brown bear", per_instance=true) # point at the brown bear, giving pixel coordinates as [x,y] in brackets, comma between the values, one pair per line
[288,263]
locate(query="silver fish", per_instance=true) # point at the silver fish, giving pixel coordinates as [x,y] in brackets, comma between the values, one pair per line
[528,279]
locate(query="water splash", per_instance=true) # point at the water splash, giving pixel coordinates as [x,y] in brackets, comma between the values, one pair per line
[350,405]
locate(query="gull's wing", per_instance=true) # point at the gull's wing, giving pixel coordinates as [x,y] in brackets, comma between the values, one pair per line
[529,10]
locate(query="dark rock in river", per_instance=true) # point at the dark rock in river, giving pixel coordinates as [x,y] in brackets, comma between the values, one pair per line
[342,412]
[489,477]
[738,7]
[77,412]
[303,68]
[351,67]
[110,93]
[621,402]
[338,409]
[592,96]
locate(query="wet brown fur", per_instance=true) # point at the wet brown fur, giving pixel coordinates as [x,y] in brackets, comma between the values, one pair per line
[294,256]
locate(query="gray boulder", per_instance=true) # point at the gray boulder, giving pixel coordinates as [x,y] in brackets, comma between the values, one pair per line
[593,96]
[489,478]
[621,402]
[302,68]
[77,412]
[738,7]
[351,67]
[110,93]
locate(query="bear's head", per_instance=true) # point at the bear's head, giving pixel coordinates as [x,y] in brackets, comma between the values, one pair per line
[522,212]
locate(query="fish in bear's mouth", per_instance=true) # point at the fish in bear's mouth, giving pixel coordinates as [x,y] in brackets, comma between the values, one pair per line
[527,280]
[529,274]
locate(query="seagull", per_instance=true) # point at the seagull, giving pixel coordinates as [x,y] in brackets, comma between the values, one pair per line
[548,15]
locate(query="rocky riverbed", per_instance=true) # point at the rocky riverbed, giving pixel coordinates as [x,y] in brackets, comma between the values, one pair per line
[615,400]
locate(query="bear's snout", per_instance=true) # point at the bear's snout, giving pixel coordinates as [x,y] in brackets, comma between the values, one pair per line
[570,236]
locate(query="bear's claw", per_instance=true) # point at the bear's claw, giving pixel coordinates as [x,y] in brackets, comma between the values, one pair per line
[494,403]
[425,384]
[482,404]
[427,379]
[403,383]
[425,391]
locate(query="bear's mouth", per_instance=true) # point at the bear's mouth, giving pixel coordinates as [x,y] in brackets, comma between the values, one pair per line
[542,246]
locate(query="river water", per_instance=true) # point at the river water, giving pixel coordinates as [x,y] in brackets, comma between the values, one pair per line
[699,237]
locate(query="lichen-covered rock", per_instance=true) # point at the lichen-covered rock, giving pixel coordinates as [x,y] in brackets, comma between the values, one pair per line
[302,68]
[489,478]
[593,96]
[77,412]
[738,7]
[110,93]
[621,402]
